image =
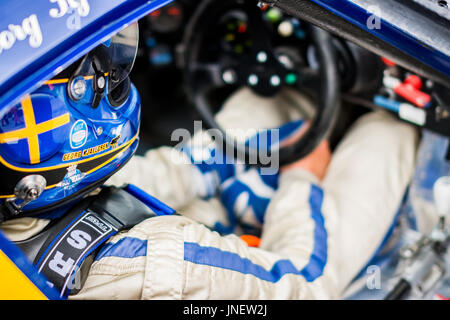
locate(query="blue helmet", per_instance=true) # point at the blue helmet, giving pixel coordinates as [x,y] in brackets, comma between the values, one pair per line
[67,134]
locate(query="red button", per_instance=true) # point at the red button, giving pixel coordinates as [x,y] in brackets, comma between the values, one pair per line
[415,81]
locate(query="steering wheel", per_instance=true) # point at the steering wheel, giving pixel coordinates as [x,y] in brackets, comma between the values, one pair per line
[258,66]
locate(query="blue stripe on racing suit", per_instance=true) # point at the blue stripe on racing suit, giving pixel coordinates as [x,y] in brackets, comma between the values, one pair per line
[215,257]
[249,191]
[216,166]
[124,248]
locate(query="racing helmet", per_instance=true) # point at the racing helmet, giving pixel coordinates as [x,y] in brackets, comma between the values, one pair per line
[67,137]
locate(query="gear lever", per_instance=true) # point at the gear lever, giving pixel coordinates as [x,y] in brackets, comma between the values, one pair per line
[426,266]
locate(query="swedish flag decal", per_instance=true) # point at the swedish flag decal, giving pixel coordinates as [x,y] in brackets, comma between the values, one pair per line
[34,130]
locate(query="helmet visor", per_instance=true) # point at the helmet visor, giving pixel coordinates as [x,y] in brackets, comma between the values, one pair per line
[113,58]
[122,51]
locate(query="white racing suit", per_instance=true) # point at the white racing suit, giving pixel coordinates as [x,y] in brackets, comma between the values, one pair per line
[316,236]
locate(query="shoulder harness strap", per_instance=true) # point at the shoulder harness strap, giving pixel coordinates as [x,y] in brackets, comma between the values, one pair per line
[65,250]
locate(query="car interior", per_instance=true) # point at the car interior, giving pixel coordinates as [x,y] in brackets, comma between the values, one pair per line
[221,53]
[194,54]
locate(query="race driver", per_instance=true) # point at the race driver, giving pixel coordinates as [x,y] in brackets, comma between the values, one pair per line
[323,221]
[315,237]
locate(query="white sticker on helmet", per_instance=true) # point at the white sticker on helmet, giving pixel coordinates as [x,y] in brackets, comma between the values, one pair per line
[78,134]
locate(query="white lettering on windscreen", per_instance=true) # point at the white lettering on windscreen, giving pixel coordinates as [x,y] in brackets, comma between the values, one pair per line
[66,6]
[29,28]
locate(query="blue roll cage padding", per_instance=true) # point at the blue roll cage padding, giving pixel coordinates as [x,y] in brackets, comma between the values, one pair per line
[23,68]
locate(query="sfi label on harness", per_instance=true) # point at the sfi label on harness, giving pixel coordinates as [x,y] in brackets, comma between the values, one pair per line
[63,257]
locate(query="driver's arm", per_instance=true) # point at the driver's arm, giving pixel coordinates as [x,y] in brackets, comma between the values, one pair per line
[168,173]
[165,173]
[315,239]
[180,258]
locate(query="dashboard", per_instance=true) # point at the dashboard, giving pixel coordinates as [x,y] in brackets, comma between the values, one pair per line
[158,73]
[159,70]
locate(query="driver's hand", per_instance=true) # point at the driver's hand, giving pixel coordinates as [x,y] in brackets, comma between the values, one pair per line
[316,162]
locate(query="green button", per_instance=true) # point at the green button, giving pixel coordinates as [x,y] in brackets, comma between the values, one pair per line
[273,15]
[291,78]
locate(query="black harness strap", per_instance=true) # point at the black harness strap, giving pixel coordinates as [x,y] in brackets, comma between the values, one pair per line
[65,250]
[62,259]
